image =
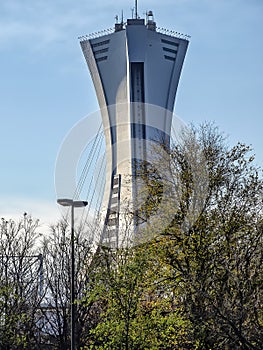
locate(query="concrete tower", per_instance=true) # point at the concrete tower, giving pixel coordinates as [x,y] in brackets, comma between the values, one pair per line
[135,70]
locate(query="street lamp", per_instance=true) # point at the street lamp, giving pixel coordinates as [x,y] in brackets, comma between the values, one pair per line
[73,204]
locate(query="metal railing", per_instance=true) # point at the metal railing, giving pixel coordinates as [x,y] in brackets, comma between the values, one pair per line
[173,33]
[168,32]
[96,34]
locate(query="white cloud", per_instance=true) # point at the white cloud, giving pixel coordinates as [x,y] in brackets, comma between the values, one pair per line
[47,212]
[36,25]
[40,23]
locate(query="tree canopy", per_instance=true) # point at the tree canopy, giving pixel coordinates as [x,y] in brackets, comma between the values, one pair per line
[195,282]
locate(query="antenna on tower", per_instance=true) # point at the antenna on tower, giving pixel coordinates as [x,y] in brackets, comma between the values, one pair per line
[132,10]
[136,9]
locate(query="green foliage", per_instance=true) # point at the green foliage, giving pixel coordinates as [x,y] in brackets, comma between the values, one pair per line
[198,284]
[13,333]
[219,257]
[139,312]
[193,283]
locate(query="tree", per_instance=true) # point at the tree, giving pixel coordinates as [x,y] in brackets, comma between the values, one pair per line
[35,286]
[56,307]
[137,309]
[217,261]
[20,283]
[192,281]
[196,283]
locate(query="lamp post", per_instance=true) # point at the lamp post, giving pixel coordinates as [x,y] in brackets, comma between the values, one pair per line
[73,204]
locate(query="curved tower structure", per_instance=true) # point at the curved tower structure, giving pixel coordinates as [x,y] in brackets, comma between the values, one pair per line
[134,68]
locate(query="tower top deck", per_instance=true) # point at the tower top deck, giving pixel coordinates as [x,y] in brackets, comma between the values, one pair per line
[149,23]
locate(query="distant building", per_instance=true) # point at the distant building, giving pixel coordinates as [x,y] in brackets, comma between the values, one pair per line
[135,70]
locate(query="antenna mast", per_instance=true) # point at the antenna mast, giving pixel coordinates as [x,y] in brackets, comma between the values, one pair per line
[136,9]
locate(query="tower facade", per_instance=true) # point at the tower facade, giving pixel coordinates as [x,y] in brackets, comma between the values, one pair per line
[135,71]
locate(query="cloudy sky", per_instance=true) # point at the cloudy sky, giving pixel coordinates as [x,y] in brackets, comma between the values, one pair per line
[45,87]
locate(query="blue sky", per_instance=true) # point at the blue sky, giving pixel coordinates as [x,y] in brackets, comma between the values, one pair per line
[45,87]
